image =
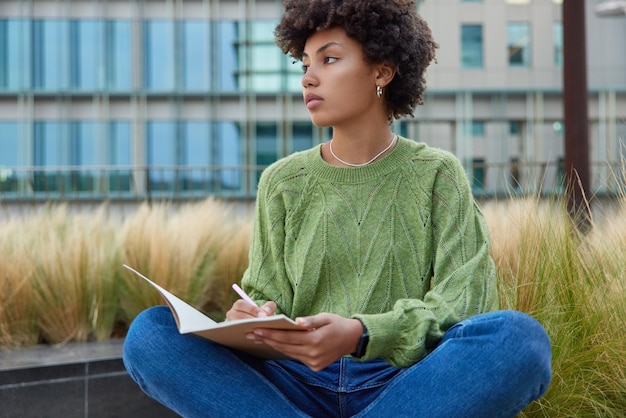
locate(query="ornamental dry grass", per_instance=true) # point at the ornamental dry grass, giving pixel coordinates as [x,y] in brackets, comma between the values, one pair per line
[61,275]
[18,320]
[575,285]
[58,278]
[61,280]
[74,279]
[196,251]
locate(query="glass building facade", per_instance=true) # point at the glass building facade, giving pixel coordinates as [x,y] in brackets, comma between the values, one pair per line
[177,66]
[189,98]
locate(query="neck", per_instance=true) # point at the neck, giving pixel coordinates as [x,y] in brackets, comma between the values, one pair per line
[361,152]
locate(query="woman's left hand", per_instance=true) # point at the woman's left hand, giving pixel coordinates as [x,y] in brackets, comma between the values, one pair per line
[329,337]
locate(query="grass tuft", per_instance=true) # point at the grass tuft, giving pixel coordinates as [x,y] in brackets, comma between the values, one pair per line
[191,251]
[574,285]
[75,290]
[18,319]
[61,280]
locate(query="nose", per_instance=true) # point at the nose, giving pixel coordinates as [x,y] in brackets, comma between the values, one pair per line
[309,78]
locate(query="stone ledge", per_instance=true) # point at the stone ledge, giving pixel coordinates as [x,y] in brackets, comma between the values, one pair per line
[86,380]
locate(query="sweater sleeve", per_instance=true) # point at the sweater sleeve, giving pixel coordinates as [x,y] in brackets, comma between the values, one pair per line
[463,278]
[265,278]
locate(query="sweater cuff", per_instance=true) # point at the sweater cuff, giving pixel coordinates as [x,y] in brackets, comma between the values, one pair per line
[382,332]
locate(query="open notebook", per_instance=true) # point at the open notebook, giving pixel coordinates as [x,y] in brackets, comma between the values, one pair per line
[229,333]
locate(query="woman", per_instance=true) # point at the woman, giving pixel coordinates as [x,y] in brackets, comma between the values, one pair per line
[373,243]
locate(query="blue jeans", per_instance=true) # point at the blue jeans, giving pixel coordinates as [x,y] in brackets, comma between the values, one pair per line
[489,365]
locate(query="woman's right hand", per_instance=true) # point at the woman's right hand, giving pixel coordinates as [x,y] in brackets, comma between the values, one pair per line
[243,310]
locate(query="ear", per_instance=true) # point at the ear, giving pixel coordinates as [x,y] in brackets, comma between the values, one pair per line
[384,74]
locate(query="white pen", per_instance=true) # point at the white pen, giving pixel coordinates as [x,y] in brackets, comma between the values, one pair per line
[243,294]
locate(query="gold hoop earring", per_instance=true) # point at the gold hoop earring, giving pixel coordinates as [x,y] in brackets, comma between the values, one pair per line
[379,91]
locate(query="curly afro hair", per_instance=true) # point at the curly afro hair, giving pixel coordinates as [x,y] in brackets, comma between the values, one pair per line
[389,31]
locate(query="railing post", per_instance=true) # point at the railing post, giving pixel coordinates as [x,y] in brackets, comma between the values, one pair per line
[575,104]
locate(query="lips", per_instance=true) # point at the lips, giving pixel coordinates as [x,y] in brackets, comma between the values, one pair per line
[311,100]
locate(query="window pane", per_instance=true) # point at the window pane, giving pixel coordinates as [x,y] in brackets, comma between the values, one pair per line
[265,58]
[196,155]
[162,155]
[266,143]
[119,152]
[515,127]
[14,54]
[478,173]
[226,58]
[231,155]
[82,144]
[557,31]
[294,76]
[159,55]
[518,35]
[196,55]
[404,129]
[264,68]
[119,143]
[261,65]
[472,46]
[118,55]
[47,149]
[82,155]
[47,144]
[8,156]
[50,54]
[197,140]
[161,144]
[477,128]
[265,82]
[262,31]
[4,36]
[302,136]
[87,70]
[8,144]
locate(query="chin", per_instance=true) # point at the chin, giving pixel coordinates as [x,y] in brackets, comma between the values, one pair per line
[320,122]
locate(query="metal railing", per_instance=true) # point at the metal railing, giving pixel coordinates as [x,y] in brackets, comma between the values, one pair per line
[541,178]
[131,182]
[236,182]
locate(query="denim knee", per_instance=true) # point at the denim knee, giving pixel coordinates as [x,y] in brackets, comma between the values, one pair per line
[525,331]
[146,336]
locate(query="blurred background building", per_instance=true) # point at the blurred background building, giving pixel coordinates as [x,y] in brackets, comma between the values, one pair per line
[177,99]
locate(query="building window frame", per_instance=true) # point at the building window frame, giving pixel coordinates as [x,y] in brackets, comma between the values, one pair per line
[472,46]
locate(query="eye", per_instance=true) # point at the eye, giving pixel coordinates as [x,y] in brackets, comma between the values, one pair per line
[304,68]
[330,60]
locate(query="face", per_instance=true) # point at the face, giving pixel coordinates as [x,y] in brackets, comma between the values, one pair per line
[339,86]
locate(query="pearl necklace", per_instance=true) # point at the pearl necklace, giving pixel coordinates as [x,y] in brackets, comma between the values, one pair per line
[393,141]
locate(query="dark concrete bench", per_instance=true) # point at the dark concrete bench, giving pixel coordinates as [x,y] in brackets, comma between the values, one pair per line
[85,380]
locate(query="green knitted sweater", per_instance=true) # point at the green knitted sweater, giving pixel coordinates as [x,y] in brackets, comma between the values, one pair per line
[399,244]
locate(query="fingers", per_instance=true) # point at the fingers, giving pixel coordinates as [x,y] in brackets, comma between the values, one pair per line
[292,343]
[269,308]
[297,338]
[242,309]
[321,341]
[315,321]
[310,347]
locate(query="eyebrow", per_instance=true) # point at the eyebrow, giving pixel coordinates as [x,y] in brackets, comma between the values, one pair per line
[323,48]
